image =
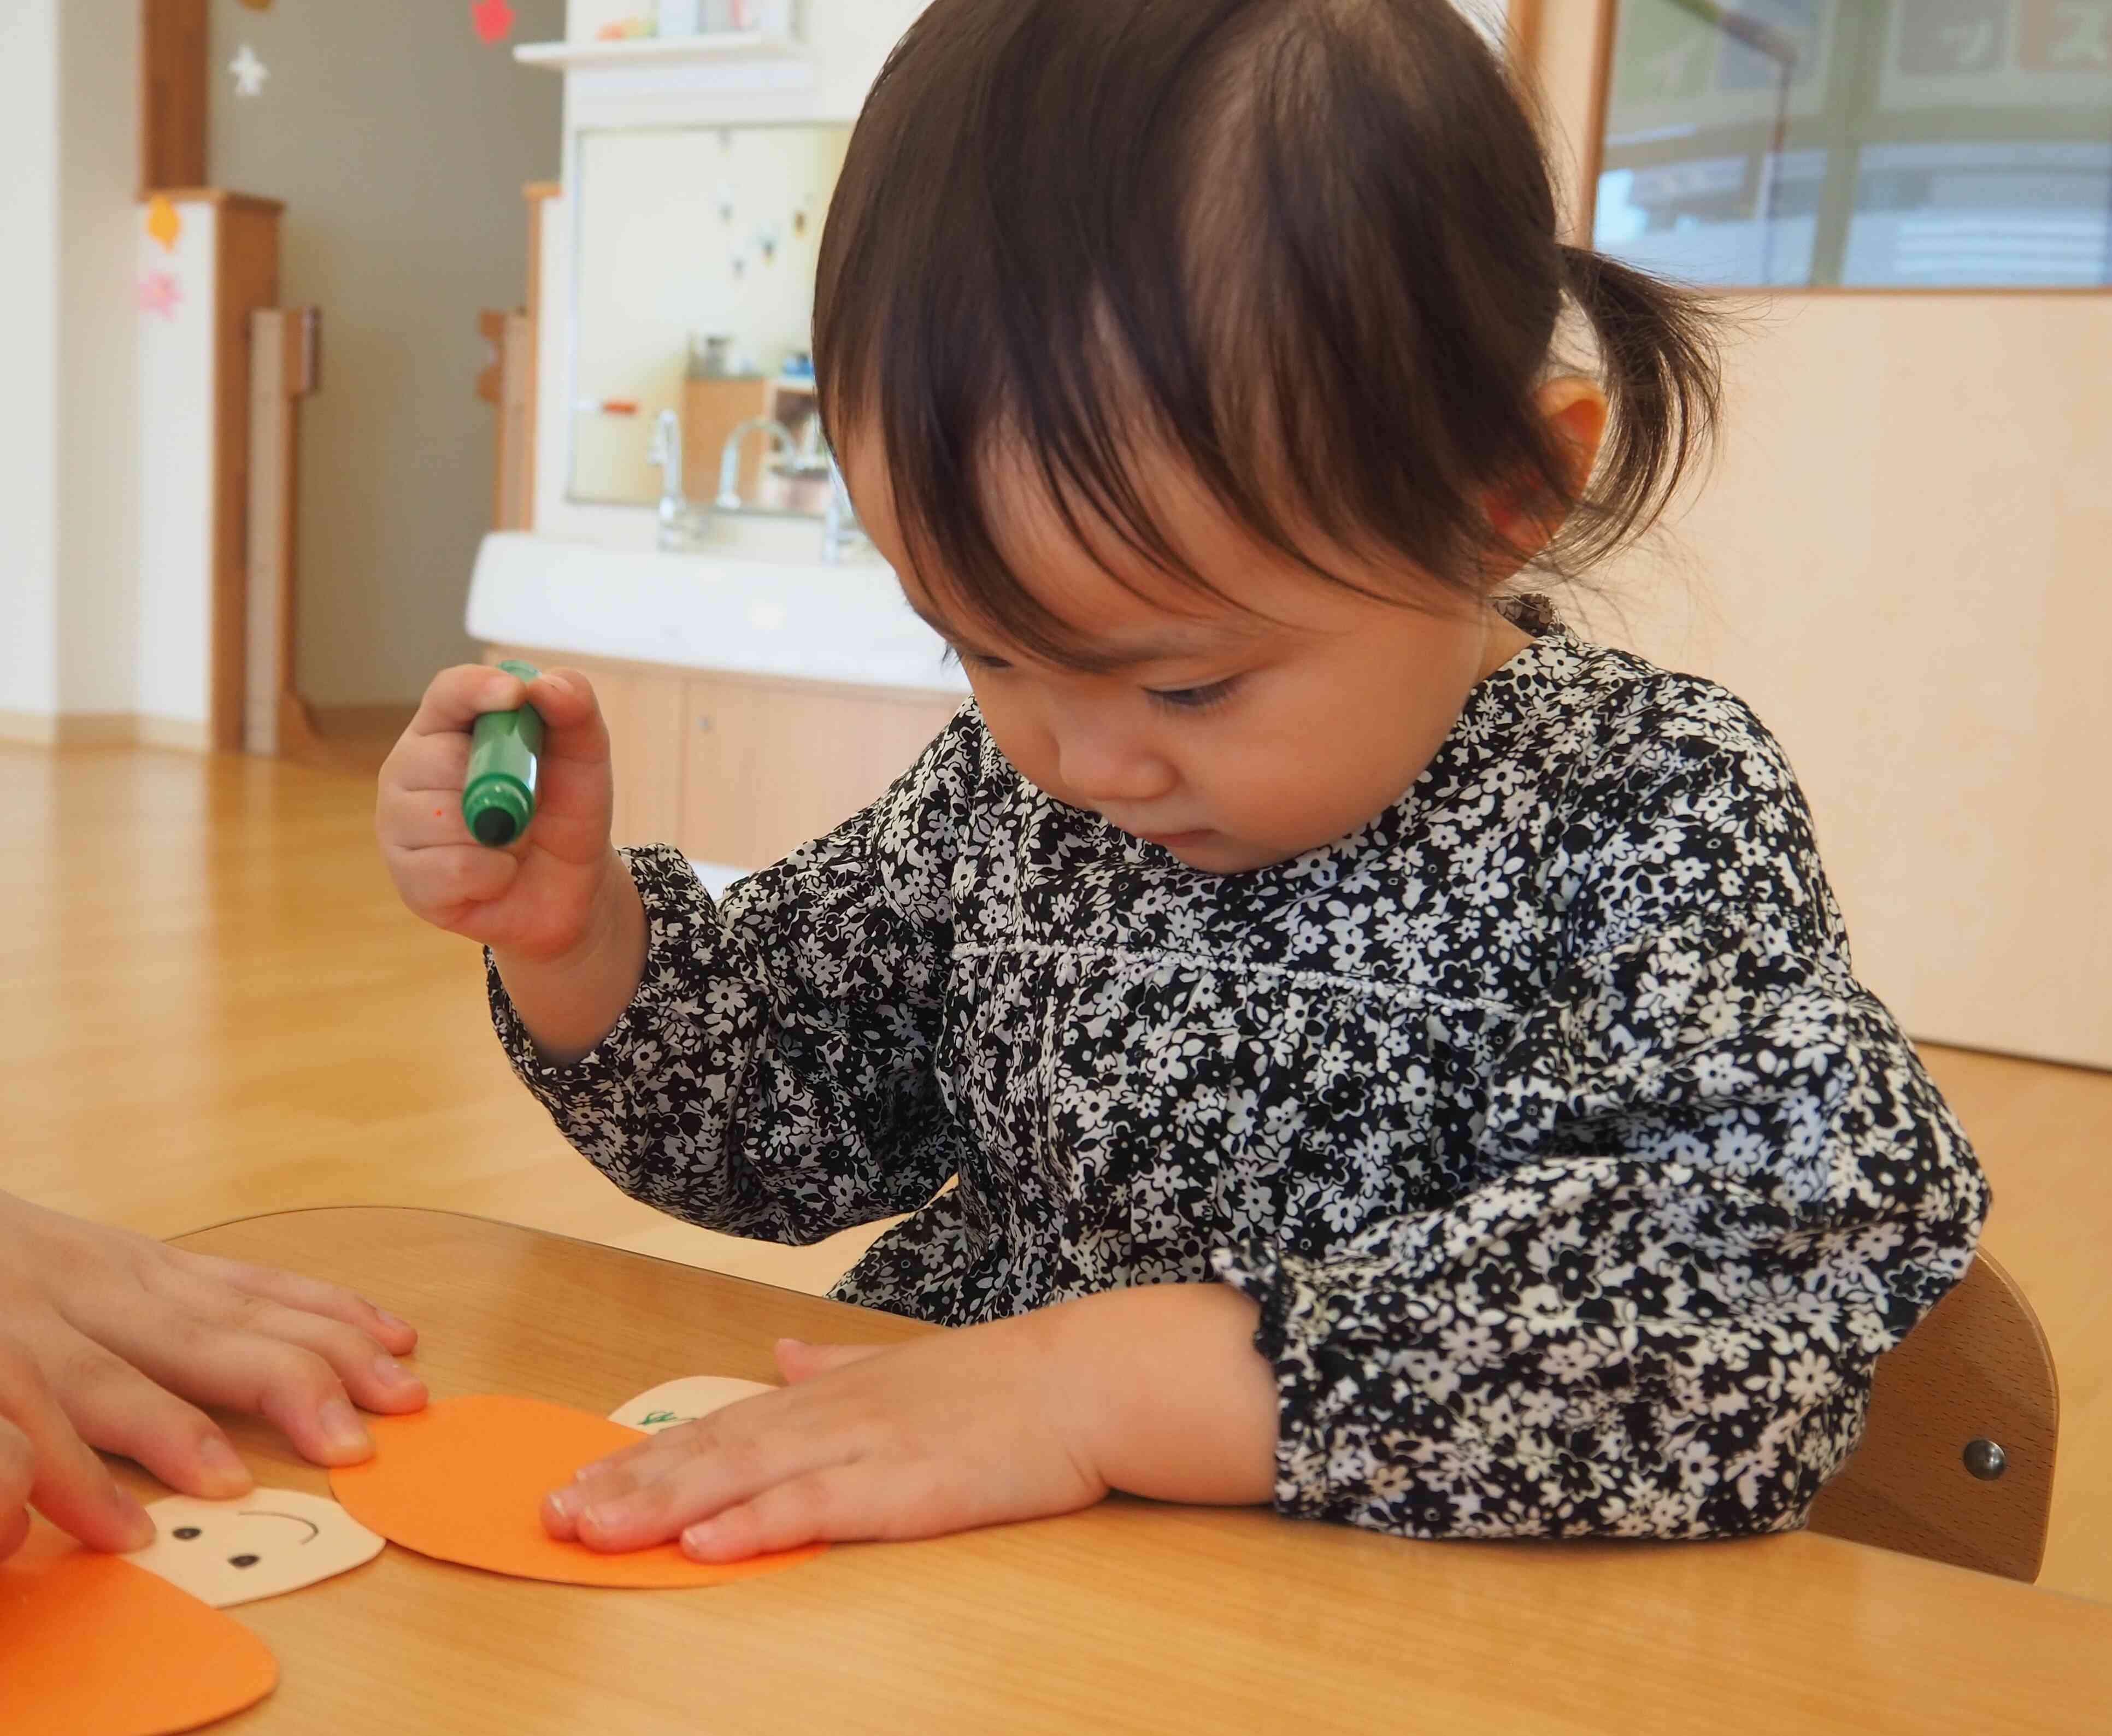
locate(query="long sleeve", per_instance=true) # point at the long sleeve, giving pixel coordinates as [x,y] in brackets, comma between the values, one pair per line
[774,1076]
[1713,1185]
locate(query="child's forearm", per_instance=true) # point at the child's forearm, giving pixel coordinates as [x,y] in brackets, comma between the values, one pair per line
[571,1002]
[1175,1403]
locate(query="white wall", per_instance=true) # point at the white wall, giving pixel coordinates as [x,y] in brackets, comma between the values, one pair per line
[97,481]
[400,143]
[28,356]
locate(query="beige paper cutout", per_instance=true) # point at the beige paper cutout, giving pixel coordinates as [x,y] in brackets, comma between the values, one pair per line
[673,1402]
[258,1545]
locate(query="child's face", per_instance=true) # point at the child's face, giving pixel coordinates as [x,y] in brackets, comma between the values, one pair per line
[1235,734]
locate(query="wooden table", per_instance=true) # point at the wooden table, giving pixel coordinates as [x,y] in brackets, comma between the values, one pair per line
[1131,1616]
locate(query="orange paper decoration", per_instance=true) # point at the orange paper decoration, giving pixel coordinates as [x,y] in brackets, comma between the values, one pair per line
[165,223]
[463,1480]
[92,1646]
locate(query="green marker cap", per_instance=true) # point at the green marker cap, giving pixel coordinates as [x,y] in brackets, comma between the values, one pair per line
[499,800]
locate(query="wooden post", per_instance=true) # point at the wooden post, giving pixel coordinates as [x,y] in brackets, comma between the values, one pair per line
[172,95]
[286,351]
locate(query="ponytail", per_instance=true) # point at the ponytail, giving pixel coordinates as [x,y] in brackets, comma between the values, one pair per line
[1659,359]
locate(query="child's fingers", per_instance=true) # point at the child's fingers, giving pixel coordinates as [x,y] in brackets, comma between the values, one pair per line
[291,1290]
[565,699]
[441,880]
[456,698]
[420,763]
[798,1361]
[45,1463]
[840,1503]
[421,819]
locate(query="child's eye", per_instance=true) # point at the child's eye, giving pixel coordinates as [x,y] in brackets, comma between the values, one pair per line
[1194,699]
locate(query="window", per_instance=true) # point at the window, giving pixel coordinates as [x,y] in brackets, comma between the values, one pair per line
[1913,143]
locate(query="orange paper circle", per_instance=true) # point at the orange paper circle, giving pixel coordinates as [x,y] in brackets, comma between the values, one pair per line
[92,1646]
[463,1480]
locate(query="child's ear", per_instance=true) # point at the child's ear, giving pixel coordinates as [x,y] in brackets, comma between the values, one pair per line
[1575,408]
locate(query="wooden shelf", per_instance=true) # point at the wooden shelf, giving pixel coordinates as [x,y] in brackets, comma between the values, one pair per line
[709,49]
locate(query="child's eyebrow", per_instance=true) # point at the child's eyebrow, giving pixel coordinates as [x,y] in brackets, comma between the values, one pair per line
[1102,657]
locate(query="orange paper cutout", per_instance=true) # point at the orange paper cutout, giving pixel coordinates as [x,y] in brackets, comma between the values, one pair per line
[165,223]
[463,1480]
[92,1646]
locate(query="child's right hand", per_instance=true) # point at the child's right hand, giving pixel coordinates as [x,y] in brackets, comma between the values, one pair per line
[550,893]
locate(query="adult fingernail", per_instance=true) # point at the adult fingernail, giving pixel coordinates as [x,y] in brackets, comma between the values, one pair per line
[390,1321]
[564,1504]
[391,1372]
[136,1521]
[223,1468]
[341,1430]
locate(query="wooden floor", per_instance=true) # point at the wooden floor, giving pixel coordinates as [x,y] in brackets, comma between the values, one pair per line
[215,1006]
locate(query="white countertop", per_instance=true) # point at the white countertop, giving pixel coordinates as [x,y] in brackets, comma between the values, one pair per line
[731,609]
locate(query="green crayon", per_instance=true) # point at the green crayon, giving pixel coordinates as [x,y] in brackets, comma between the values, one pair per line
[499,799]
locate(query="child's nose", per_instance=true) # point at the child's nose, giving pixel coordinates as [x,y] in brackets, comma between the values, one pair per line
[1103,768]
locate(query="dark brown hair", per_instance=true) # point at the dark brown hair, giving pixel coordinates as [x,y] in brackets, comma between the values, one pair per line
[1305,248]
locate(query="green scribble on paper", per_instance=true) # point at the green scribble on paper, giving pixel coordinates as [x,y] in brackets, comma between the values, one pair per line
[658,1417]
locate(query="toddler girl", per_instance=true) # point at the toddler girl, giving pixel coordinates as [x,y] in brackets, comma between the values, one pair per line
[1389,1055]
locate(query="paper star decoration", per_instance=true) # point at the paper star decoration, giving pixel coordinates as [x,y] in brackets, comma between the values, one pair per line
[494,19]
[159,293]
[165,223]
[249,72]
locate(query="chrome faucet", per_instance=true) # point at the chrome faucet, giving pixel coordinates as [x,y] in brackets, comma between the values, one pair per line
[840,530]
[729,500]
[681,525]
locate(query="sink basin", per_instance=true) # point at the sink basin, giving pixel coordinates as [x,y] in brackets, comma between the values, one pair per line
[755,599]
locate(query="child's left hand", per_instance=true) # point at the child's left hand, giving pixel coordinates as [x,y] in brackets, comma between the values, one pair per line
[1159,1391]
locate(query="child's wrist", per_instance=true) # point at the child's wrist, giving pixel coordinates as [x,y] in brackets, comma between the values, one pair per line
[570,1000]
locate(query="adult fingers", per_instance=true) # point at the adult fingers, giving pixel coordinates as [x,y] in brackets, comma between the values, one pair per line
[231,1368]
[291,1290]
[116,1407]
[45,1464]
[367,1371]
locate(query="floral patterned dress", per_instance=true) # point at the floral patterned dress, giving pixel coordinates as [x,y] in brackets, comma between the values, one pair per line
[1578,1182]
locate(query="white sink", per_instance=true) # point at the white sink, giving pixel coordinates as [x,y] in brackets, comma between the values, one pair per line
[756,599]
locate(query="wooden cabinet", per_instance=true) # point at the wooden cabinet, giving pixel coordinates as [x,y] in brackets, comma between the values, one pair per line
[742,770]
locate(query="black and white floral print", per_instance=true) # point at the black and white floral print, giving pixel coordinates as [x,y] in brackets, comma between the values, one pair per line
[1578,1182]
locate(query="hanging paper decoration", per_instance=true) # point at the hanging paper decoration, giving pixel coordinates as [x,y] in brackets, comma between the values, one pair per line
[494,19]
[767,238]
[165,223]
[726,202]
[249,72]
[739,261]
[159,293]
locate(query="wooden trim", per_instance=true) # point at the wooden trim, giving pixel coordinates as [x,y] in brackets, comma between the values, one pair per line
[248,278]
[1591,157]
[286,367]
[221,196]
[179,734]
[175,42]
[29,728]
[93,729]
[1523,20]
[538,194]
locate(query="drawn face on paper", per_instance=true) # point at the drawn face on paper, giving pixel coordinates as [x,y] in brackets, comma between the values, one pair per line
[258,1545]
[673,1402]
